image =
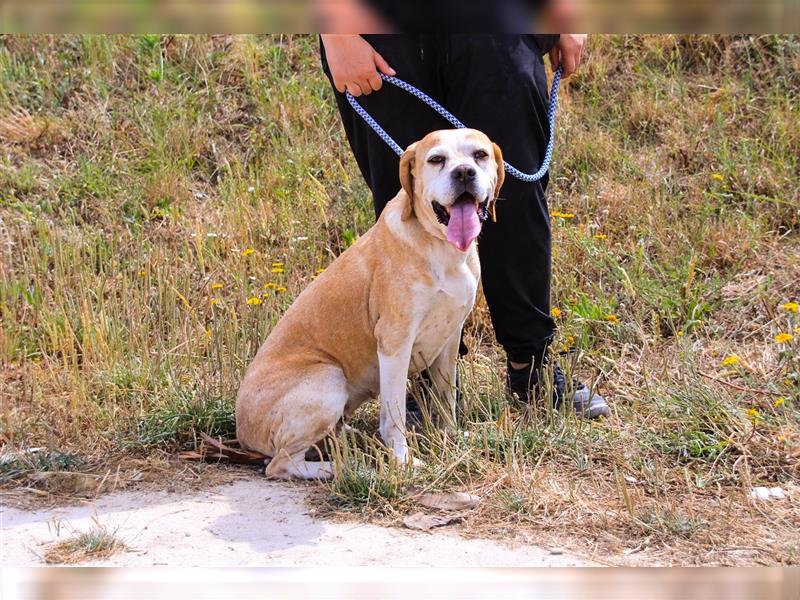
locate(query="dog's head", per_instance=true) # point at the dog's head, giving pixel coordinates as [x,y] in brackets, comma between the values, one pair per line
[451,179]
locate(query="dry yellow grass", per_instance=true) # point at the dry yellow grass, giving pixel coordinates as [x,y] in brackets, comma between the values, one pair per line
[95,544]
[148,184]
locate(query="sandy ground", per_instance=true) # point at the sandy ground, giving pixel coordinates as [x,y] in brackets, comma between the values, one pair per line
[251,522]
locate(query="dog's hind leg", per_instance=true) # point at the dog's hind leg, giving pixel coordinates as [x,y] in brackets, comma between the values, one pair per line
[285,466]
[307,413]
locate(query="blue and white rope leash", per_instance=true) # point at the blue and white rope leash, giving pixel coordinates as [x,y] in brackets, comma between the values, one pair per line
[528,178]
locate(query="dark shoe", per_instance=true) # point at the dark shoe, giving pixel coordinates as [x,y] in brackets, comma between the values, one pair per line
[414,417]
[524,383]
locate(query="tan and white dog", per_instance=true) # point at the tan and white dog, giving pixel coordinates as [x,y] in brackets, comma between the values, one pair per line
[390,306]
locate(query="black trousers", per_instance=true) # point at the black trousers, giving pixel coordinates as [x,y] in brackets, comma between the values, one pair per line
[495,83]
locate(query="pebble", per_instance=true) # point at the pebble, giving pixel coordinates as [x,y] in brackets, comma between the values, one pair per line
[777,492]
[765,493]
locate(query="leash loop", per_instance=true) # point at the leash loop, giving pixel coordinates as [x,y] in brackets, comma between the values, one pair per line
[511,170]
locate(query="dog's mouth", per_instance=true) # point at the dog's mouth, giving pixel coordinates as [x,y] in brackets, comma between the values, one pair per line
[443,212]
[463,219]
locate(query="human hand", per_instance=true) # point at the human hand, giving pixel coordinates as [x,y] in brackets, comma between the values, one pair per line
[354,64]
[567,52]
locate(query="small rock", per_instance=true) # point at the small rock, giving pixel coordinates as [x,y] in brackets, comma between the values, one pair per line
[777,492]
[765,493]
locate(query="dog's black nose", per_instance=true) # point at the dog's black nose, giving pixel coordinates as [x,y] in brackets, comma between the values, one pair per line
[463,173]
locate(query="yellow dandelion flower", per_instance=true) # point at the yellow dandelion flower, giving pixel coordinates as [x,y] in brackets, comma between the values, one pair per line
[247,251]
[612,318]
[555,312]
[779,402]
[791,307]
[731,360]
[213,301]
[320,271]
[570,339]
[270,285]
[681,334]
[277,263]
[717,176]
[143,273]
[784,338]
[788,382]
[754,415]
[254,300]
[276,270]
[217,286]
[280,290]
[207,335]
[563,215]
[600,236]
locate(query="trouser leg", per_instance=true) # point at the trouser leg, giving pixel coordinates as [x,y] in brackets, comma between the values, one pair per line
[404,117]
[497,83]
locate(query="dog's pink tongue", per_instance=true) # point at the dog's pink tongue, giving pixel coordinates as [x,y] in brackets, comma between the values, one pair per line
[464,225]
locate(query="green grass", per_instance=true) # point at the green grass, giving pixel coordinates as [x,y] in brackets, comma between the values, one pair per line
[18,465]
[148,185]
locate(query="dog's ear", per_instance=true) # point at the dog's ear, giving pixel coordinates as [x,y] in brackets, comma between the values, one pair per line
[407,179]
[501,177]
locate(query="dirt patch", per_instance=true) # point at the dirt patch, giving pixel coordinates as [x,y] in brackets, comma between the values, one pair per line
[252,522]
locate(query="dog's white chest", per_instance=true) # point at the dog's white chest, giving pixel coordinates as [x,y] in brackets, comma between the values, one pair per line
[443,307]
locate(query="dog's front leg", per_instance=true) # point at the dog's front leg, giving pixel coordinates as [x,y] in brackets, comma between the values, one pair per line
[394,375]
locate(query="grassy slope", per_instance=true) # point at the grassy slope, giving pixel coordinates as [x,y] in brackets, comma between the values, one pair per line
[150,187]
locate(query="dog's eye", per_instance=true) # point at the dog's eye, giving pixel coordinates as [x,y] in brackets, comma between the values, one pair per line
[436,159]
[479,154]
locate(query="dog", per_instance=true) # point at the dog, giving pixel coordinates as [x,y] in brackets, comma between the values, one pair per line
[390,306]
